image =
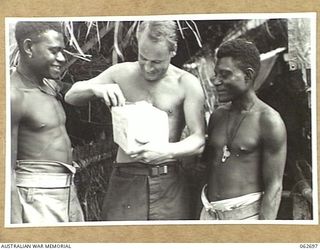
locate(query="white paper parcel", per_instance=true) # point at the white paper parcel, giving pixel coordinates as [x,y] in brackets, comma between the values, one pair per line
[141,122]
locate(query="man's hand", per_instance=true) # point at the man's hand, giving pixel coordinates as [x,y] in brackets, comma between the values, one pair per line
[151,153]
[110,93]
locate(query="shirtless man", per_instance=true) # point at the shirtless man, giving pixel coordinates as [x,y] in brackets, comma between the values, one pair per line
[41,157]
[147,184]
[246,148]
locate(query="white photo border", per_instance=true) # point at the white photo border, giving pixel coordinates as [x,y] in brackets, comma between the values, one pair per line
[238,16]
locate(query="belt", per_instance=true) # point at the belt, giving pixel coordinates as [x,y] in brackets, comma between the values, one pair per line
[43,180]
[42,166]
[236,213]
[145,169]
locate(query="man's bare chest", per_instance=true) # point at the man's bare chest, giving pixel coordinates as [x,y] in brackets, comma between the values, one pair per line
[241,138]
[165,97]
[42,112]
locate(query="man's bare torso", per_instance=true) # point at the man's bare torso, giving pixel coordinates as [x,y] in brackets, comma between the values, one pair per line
[241,173]
[166,94]
[42,134]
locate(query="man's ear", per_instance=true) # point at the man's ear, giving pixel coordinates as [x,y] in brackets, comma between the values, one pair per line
[27,47]
[250,74]
[174,51]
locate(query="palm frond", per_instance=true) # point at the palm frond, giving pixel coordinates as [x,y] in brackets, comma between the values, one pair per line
[89,25]
[69,31]
[130,34]
[117,27]
[195,33]
[98,36]
[180,29]
[105,29]
[114,57]
[77,55]
[196,28]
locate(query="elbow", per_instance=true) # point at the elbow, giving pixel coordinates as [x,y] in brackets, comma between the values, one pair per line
[199,150]
[72,96]
[274,191]
[71,99]
[68,98]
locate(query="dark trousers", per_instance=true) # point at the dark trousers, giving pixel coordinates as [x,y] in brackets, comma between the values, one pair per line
[142,196]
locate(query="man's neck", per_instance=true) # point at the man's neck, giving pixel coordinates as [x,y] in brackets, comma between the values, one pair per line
[244,102]
[32,79]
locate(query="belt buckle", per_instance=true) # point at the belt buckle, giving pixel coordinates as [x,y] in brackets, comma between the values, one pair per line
[158,170]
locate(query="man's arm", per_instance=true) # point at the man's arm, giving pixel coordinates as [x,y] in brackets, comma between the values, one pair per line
[102,86]
[215,117]
[274,151]
[194,115]
[193,108]
[16,113]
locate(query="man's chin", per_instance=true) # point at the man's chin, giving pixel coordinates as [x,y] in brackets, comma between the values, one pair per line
[151,78]
[54,76]
[54,73]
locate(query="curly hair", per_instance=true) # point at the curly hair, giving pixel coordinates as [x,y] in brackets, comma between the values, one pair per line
[243,51]
[159,31]
[28,29]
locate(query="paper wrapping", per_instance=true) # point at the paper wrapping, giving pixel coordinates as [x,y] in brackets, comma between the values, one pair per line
[139,123]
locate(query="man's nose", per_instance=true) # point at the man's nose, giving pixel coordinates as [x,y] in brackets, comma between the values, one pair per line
[60,57]
[148,66]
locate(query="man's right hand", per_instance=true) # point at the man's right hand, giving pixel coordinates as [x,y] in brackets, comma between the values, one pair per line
[110,93]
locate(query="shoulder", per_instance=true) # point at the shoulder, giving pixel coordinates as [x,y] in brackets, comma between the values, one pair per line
[115,74]
[185,77]
[125,65]
[269,116]
[219,113]
[187,81]
[16,94]
[124,68]
[16,102]
[271,124]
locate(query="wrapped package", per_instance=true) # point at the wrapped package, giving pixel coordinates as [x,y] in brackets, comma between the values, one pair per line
[139,123]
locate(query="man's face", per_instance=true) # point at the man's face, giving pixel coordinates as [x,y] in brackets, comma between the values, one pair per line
[47,57]
[229,79]
[154,58]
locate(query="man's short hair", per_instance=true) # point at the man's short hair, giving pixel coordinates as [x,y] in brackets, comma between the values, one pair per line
[26,29]
[159,31]
[243,51]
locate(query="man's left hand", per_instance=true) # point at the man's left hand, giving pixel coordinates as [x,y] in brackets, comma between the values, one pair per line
[151,153]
